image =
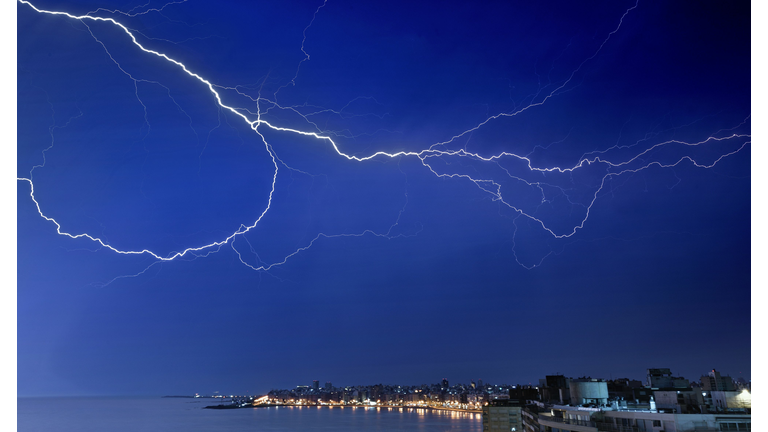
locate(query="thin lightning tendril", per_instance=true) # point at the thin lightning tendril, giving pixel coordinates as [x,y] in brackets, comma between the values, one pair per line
[437,151]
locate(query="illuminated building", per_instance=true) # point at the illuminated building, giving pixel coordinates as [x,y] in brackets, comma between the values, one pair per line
[581,419]
[731,401]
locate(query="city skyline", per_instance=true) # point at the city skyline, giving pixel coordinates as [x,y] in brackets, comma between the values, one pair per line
[233,197]
[478,384]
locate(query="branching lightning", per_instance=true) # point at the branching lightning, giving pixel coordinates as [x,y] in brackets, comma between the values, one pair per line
[515,170]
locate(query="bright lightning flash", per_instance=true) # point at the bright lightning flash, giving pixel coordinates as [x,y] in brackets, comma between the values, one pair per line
[508,174]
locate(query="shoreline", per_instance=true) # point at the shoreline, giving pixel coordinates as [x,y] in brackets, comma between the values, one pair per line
[462,410]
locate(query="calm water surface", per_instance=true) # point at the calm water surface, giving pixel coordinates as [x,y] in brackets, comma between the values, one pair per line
[182,414]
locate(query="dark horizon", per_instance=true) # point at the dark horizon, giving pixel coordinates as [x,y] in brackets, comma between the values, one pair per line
[390,192]
[437,381]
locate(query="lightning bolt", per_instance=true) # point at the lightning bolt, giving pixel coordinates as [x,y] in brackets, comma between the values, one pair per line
[504,172]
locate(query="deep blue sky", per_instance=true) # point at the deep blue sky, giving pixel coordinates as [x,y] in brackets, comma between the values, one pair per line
[399,269]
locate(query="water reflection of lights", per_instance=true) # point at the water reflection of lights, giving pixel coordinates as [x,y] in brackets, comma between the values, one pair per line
[457,413]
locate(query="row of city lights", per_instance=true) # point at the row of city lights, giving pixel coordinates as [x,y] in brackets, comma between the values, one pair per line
[368,402]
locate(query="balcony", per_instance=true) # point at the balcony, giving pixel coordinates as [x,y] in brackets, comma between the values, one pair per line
[610,427]
[543,418]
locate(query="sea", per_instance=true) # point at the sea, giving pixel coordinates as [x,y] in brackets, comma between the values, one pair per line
[149,414]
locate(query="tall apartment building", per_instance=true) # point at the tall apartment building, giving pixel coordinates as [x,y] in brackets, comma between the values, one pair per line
[713,381]
[502,415]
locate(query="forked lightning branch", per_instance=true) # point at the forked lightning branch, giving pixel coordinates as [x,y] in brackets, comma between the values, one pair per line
[637,158]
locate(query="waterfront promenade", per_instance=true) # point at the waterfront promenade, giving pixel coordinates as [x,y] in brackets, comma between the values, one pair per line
[417,407]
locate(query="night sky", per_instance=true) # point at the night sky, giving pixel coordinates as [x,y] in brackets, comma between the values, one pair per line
[379,192]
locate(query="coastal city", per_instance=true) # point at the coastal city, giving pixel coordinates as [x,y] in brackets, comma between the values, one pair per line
[384,216]
[664,402]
